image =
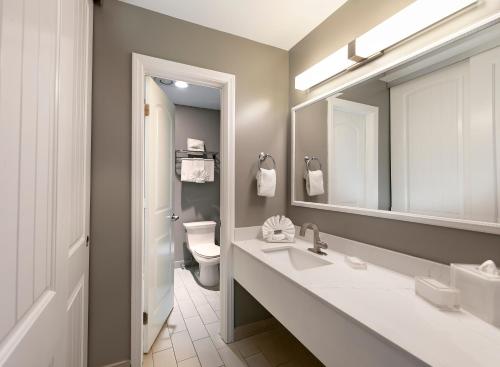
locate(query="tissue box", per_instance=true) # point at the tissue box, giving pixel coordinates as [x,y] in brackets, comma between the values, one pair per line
[480,293]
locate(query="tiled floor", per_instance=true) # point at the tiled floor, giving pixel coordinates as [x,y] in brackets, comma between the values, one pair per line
[191,336]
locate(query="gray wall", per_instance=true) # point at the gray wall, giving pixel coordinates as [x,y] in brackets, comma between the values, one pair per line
[311,139]
[192,201]
[261,124]
[435,243]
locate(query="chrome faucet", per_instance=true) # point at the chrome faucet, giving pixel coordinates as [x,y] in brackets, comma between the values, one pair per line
[318,244]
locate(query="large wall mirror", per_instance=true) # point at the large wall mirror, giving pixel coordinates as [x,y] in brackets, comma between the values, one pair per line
[419,141]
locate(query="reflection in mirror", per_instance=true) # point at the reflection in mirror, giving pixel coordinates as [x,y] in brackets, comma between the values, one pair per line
[421,138]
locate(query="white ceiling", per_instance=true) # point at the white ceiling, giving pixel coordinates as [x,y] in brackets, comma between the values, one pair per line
[279,23]
[194,95]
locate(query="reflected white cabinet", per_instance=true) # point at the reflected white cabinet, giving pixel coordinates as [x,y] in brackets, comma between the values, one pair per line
[443,148]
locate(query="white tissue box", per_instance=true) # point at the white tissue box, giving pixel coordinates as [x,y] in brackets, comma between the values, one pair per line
[437,293]
[480,293]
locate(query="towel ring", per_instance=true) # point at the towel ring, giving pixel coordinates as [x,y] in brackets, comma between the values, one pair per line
[308,160]
[263,156]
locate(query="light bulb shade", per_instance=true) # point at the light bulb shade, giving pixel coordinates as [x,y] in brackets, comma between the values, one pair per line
[181,84]
[412,19]
[326,68]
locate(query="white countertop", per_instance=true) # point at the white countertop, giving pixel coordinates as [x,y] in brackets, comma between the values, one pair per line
[385,302]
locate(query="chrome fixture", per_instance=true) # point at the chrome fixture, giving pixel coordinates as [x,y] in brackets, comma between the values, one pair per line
[263,156]
[317,243]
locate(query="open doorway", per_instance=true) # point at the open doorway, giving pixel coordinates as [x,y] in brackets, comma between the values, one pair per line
[182,190]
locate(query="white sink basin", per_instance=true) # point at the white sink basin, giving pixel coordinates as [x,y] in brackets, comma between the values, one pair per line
[298,259]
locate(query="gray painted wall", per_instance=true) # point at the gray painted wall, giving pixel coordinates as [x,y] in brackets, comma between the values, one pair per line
[311,139]
[192,201]
[440,244]
[261,124]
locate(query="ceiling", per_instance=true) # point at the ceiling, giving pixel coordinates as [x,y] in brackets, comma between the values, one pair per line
[193,96]
[279,23]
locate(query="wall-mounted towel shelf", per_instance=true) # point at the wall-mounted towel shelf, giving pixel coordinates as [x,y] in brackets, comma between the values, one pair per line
[184,153]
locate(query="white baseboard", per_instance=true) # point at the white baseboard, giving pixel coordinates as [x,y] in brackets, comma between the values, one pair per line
[119,364]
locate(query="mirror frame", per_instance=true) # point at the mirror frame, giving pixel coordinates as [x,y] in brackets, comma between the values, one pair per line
[464,224]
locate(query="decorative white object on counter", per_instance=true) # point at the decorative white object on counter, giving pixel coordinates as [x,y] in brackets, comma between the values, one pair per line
[355,262]
[480,289]
[437,293]
[278,229]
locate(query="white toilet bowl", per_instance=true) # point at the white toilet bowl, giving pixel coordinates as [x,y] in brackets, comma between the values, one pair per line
[201,243]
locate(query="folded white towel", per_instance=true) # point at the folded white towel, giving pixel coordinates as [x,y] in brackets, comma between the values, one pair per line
[195,144]
[193,170]
[209,169]
[266,182]
[314,182]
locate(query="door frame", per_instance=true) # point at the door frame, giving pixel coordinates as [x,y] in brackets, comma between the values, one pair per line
[143,66]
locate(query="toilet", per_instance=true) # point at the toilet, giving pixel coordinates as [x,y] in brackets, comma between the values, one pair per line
[201,243]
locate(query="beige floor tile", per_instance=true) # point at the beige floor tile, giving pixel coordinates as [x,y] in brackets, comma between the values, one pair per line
[231,356]
[214,301]
[207,353]
[187,308]
[207,314]
[198,297]
[183,346]
[191,362]
[175,322]
[162,341]
[257,360]
[214,331]
[196,328]
[165,358]
[247,347]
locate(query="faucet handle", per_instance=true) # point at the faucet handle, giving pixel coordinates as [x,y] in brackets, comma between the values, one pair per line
[322,244]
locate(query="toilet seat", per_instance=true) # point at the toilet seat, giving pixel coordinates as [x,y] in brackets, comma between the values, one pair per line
[207,250]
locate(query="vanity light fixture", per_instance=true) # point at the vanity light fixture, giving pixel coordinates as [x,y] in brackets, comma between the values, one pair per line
[409,21]
[326,68]
[181,84]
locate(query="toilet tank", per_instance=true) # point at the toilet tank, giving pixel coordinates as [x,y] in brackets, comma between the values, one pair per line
[200,232]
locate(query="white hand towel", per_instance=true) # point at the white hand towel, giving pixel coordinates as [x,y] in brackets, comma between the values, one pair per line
[314,183]
[266,182]
[209,169]
[193,170]
[196,145]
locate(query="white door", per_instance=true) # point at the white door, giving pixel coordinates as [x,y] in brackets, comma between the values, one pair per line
[352,154]
[158,212]
[44,181]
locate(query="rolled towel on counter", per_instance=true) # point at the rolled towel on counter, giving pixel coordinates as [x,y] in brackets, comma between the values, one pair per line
[314,182]
[266,182]
[196,145]
[209,169]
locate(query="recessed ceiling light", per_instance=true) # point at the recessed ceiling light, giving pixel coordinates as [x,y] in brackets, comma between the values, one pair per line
[181,84]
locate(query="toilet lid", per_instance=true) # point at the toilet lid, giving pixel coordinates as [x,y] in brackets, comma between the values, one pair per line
[208,250]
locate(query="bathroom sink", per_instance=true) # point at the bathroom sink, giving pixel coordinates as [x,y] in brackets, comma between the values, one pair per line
[298,259]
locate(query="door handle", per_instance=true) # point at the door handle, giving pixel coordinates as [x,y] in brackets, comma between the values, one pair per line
[173,217]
